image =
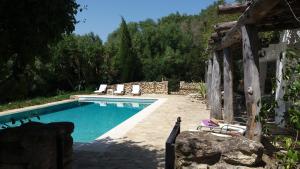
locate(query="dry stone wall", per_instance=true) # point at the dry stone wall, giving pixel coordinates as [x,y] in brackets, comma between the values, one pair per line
[37,146]
[159,87]
[146,87]
[186,88]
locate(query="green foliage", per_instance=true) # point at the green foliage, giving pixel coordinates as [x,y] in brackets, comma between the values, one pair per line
[292,89]
[79,62]
[270,37]
[172,47]
[291,155]
[40,100]
[202,89]
[39,55]
[126,62]
[173,85]
[27,27]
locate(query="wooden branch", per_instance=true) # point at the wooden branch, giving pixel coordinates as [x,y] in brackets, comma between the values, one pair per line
[208,83]
[251,81]
[216,106]
[228,91]
[232,8]
[254,13]
[224,26]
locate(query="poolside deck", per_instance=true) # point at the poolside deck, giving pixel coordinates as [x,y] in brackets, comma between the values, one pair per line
[144,145]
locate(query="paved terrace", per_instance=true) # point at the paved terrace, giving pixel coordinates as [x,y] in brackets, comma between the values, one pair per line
[144,145]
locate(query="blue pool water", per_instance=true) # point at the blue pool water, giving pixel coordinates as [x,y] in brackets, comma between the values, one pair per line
[91,118]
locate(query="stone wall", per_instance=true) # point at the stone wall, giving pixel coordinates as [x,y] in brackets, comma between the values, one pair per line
[186,88]
[146,87]
[37,146]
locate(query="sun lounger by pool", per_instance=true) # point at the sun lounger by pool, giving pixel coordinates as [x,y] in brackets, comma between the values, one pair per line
[102,89]
[136,90]
[224,128]
[120,90]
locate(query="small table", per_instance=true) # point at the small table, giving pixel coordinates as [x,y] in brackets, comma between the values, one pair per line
[110,91]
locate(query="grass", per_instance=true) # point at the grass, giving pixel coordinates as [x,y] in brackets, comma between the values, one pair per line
[39,100]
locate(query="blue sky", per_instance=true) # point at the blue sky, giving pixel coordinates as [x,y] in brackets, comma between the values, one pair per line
[104,16]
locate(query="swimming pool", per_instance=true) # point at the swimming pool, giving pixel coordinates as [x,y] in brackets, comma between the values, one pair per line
[92,117]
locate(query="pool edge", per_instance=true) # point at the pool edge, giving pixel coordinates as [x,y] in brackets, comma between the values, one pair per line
[29,108]
[121,129]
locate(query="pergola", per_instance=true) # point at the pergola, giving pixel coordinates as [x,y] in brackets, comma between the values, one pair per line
[257,16]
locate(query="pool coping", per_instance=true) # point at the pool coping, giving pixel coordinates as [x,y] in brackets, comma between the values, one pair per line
[20,110]
[115,133]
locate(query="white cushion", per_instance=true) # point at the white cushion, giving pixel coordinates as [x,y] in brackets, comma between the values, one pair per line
[135,89]
[101,89]
[120,88]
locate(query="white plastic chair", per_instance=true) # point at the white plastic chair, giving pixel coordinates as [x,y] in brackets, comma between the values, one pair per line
[102,89]
[136,90]
[120,89]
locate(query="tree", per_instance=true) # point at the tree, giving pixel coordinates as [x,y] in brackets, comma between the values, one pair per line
[27,27]
[79,62]
[126,62]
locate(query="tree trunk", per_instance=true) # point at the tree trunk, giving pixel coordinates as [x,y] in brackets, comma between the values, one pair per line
[208,82]
[216,107]
[228,95]
[251,81]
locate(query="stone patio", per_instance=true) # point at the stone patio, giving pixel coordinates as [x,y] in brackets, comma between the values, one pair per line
[144,145]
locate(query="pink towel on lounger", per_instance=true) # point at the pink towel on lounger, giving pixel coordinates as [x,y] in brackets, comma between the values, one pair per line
[208,123]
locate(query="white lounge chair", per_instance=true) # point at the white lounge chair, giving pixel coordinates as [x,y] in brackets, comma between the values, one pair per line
[102,89]
[120,90]
[136,90]
[224,128]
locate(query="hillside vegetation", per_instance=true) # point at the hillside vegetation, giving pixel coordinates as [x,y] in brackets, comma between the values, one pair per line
[171,48]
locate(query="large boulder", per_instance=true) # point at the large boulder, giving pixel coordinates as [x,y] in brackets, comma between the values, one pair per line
[198,148]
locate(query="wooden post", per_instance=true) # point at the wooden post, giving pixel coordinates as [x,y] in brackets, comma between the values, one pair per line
[228,95]
[216,107]
[263,74]
[280,83]
[251,81]
[209,80]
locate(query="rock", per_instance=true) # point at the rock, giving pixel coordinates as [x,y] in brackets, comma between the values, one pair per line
[37,145]
[205,148]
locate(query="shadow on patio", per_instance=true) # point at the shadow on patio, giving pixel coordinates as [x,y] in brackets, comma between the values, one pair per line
[109,154]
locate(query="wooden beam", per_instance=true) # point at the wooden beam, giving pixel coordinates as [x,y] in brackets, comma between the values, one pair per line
[224,26]
[251,81]
[228,91]
[216,106]
[217,36]
[279,25]
[254,13]
[232,8]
